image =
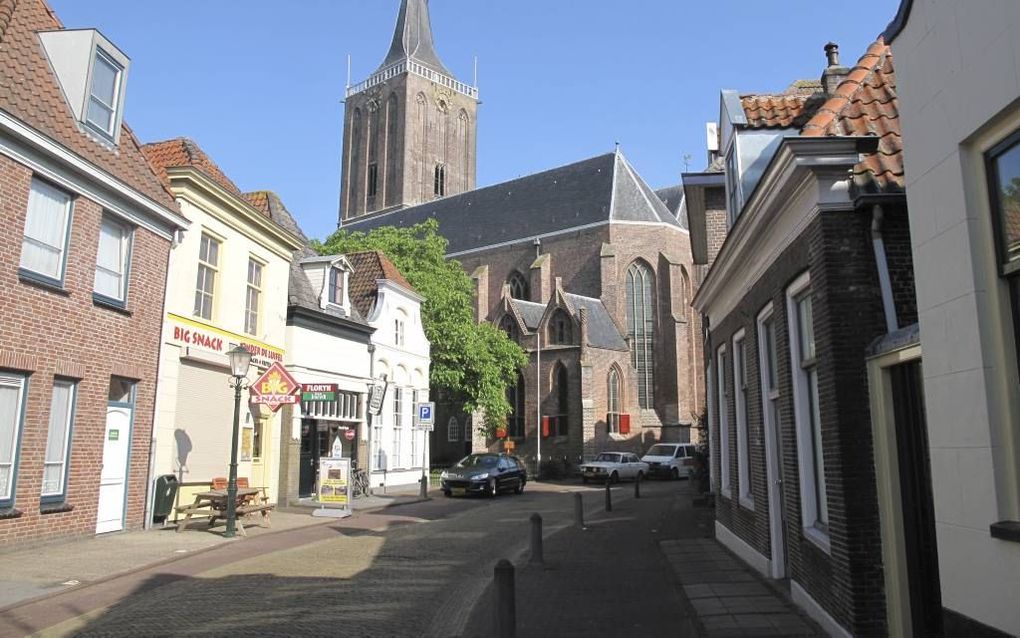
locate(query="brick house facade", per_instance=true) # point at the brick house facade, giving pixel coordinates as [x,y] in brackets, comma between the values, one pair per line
[794,299]
[80,316]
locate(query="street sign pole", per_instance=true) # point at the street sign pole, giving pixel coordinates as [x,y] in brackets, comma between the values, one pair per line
[425,418]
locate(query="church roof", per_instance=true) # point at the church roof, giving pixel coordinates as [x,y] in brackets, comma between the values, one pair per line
[602,330]
[529,311]
[412,38]
[673,198]
[591,192]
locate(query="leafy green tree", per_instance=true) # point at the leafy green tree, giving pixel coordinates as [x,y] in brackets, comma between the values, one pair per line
[473,363]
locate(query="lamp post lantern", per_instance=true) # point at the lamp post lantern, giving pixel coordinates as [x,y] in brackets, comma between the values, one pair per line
[240,359]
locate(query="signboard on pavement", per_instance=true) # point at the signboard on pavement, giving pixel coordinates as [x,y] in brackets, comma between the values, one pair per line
[276,387]
[334,482]
[425,415]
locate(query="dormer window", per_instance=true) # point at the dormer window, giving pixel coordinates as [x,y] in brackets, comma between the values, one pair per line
[336,286]
[104,94]
[733,199]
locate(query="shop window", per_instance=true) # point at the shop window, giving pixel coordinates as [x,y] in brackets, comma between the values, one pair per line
[814,502]
[112,261]
[47,229]
[58,441]
[12,417]
[208,267]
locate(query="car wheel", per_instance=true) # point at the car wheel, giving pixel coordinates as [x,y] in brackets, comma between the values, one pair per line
[520,488]
[676,474]
[493,490]
[614,478]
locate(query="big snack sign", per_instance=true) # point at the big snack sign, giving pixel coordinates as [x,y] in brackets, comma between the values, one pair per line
[275,388]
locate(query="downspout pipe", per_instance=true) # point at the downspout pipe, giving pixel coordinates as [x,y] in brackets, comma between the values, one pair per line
[884,281]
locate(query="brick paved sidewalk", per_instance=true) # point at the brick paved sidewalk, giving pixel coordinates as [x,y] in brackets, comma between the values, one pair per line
[609,579]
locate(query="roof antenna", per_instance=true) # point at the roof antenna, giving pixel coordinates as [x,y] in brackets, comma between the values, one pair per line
[687,162]
[617,146]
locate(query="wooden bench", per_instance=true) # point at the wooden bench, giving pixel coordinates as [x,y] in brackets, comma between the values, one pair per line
[244,511]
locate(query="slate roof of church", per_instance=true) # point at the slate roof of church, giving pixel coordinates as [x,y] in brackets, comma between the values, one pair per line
[529,311]
[30,92]
[596,190]
[412,37]
[602,330]
[673,198]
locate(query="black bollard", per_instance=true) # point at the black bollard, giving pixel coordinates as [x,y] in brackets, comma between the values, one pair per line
[536,538]
[506,605]
[578,510]
[609,498]
[637,486]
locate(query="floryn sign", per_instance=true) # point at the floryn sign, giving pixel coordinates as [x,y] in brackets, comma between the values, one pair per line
[275,388]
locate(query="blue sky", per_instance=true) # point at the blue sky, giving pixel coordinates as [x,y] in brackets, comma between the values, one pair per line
[259,83]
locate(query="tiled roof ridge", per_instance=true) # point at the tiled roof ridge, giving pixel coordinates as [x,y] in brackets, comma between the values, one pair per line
[864,70]
[197,159]
[386,266]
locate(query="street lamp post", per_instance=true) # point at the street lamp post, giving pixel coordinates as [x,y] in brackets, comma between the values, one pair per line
[240,359]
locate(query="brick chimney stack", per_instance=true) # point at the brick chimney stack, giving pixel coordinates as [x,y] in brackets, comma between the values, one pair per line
[834,73]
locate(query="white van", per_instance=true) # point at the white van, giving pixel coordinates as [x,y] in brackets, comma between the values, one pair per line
[670,460]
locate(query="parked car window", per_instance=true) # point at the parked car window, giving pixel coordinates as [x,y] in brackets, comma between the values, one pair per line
[661,450]
[681,452]
[478,460]
[608,458]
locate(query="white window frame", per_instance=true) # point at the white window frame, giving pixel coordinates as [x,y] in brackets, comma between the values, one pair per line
[20,383]
[413,430]
[398,426]
[453,430]
[724,426]
[126,244]
[214,269]
[68,425]
[614,400]
[335,274]
[710,375]
[36,186]
[769,406]
[257,289]
[399,332]
[744,493]
[109,134]
[814,517]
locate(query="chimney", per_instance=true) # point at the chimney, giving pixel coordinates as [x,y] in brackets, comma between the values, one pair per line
[834,73]
[583,320]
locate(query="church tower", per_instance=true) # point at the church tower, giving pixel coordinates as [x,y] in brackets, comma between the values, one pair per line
[409,129]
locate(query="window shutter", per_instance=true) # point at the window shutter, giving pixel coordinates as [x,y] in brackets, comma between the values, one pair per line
[624,424]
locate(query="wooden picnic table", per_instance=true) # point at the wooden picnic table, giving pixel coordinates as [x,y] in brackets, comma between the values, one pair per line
[213,503]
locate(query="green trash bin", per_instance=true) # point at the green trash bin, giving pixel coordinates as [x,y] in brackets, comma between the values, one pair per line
[163,498]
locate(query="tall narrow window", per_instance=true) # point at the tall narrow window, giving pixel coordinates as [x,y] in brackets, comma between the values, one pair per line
[641,330]
[559,421]
[12,396]
[112,260]
[373,178]
[814,502]
[415,460]
[768,363]
[398,427]
[398,332]
[253,298]
[47,225]
[440,180]
[104,94]
[740,403]
[561,329]
[722,407]
[515,397]
[1003,168]
[58,440]
[336,286]
[613,417]
[518,286]
[208,266]
[356,205]
[453,430]
[393,160]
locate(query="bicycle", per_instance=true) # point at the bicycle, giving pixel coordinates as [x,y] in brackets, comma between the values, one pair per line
[360,482]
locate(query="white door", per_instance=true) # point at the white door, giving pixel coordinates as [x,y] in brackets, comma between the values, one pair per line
[113,482]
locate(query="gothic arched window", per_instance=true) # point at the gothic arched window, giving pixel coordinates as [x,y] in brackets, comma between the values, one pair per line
[392,139]
[509,326]
[464,136]
[440,180]
[560,332]
[561,392]
[641,329]
[515,420]
[615,402]
[518,286]
[452,430]
[422,120]
[356,158]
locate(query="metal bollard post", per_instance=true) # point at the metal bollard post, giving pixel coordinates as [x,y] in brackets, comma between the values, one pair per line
[609,498]
[637,486]
[506,605]
[578,510]
[536,538]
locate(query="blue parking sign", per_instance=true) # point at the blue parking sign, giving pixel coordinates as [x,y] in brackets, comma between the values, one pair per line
[426,415]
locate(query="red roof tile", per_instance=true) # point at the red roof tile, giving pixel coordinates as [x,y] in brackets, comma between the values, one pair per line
[370,266]
[260,200]
[181,152]
[29,91]
[773,111]
[865,104]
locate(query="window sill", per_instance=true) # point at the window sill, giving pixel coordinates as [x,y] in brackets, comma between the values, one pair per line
[55,508]
[726,492]
[747,503]
[110,304]
[9,512]
[1006,531]
[42,281]
[819,538]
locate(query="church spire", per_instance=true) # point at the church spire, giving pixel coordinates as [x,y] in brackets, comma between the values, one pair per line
[412,38]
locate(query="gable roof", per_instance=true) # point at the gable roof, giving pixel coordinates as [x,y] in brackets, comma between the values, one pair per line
[594,191]
[412,37]
[369,267]
[181,152]
[531,313]
[865,104]
[602,330]
[30,92]
[673,198]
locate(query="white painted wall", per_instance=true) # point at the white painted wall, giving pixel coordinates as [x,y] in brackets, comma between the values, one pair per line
[958,76]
